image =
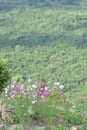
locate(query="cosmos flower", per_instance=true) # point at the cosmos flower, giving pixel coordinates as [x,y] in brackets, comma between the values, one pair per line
[61,86]
[34,86]
[42,80]
[57,83]
[42,88]
[61,95]
[34,101]
[21,87]
[29,80]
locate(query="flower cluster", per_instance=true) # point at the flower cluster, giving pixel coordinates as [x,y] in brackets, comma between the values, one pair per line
[44,92]
[37,91]
[37,97]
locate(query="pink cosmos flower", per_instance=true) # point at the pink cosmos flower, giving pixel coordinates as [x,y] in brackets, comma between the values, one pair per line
[42,88]
[33,94]
[42,80]
[45,93]
[21,87]
[61,95]
[49,90]
[63,100]
[15,87]
[43,100]
[39,92]
[42,96]
[14,93]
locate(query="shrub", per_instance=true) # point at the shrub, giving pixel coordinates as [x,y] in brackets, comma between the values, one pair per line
[4,75]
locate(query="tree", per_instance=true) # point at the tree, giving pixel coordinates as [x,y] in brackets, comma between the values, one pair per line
[4,74]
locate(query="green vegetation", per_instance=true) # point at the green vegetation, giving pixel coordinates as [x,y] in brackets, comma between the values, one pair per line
[48,43]
[47,39]
[4,75]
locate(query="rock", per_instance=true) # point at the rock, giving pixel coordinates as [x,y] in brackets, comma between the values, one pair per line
[6,115]
[2,125]
[74,128]
[13,127]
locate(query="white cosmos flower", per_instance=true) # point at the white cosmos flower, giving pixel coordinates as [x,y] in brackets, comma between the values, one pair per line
[57,83]
[29,88]
[6,89]
[29,80]
[34,86]
[46,88]
[34,101]
[14,82]
[12,86]
[61,86]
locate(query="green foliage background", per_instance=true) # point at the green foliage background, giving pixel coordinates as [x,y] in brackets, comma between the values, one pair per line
[45,39]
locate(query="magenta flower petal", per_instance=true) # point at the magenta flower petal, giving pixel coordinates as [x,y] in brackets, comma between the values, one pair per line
[39,92]
[42,88]
[61,95]
[16,87]
[14,93]
[21,87]
[46,93]
[42,96]
[42,80]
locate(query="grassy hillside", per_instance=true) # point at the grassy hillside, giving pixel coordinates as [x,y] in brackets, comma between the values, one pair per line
[45,43]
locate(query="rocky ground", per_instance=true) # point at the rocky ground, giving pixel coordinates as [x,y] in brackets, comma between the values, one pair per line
[35,123]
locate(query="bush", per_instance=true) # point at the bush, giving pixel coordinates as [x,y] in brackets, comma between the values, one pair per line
[4,75]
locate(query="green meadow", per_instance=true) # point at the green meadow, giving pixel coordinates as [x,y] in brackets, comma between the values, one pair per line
[48,40]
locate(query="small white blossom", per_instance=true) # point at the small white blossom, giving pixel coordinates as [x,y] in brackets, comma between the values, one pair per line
[6,89]
[61,86]
[25,114]
[29,88]
[33,96]
[14,82]
[54,86]
[22,105]
[57,83]
[12,86]
[73,106]
[24,93]
[46,88]
[76,93]
[29,80]
[34,101]
[34,86]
